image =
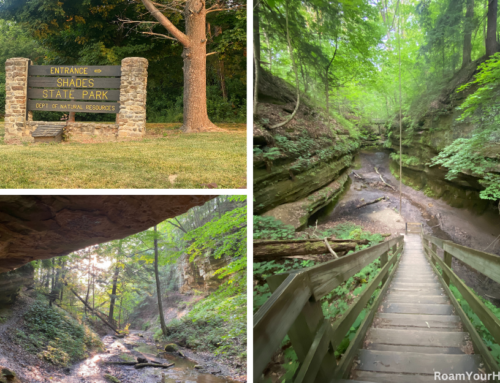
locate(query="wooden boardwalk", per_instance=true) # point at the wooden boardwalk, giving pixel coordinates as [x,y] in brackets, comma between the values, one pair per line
[415,331]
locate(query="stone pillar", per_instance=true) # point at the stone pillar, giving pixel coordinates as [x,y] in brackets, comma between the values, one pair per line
[132,117]
[16,89]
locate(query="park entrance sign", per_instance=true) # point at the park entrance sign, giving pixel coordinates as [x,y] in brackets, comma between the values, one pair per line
[57,92]
[120,90]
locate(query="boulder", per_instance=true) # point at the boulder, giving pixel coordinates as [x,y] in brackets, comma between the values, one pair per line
[171,347]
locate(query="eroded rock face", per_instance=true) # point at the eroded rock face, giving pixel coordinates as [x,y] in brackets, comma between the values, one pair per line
[199,274]
[11,283]
[42,227]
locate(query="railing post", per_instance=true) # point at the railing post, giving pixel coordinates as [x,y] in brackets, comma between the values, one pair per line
[304,329]
[447,261]
[434,249]
[384,258]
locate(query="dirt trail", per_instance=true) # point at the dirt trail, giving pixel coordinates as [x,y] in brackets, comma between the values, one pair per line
[438,218]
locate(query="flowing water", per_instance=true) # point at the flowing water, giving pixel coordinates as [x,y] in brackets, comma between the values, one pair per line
[127,349]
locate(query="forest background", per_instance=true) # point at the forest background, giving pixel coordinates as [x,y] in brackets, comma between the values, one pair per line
[89,32]
[347,58]
[148,281]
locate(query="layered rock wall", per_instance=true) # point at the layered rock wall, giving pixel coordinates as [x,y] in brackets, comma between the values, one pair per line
[200,274]
[435,130]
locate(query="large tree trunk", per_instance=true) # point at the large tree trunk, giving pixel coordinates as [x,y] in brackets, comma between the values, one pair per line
[491,33]
[270,250]
[195,70]
[195,63]
[469,17]
[158,288]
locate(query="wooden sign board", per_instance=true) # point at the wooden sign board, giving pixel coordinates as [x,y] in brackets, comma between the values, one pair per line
[77,83]
[90,83]
[76,70]
[79,107]
[74,94]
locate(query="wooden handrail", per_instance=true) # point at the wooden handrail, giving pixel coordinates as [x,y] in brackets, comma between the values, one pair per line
[294,308]
[485,263]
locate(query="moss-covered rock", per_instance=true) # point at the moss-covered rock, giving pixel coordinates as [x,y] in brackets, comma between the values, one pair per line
[171,347]
[111,378]
[297,213]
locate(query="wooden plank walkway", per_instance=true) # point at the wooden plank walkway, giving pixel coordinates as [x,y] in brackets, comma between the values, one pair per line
[415,332]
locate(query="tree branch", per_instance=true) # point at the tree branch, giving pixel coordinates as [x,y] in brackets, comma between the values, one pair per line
[181,37]
[160,35]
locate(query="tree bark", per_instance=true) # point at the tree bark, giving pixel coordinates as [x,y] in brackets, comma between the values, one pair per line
[195,63]
[158,288]
[270,250]
[113,291]
[467,49]
[290,50]
[256,33]
[491,33]
[327,70]
[113,296]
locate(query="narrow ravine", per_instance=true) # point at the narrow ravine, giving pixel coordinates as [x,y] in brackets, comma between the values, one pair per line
[462,226]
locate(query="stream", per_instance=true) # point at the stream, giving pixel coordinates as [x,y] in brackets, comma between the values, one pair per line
[462,226]
[141,344]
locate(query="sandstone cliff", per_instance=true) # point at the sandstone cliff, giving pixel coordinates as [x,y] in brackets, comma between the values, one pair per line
[301,167]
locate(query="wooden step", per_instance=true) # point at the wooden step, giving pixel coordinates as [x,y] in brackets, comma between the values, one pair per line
[418,320]
[416,337]
[419,349]
[381,377]
[416,308]
[408,279]
[421,299]
[417,284]
[416,363]
[417,291]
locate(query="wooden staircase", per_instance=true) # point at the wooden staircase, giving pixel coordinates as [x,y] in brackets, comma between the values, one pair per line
[415,331]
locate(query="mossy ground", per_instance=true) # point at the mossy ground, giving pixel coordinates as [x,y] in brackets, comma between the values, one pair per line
[165,158]
[54,336]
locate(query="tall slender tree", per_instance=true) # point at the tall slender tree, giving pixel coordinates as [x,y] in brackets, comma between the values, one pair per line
[491,33]
[468,26]
[158,286]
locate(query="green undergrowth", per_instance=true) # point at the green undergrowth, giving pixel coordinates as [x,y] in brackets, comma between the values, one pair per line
[53,335]
[483,332]
[271,228]
[334,304]
[216,323]
[407,160]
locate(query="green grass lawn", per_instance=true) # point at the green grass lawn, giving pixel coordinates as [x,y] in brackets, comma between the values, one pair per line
[164,159]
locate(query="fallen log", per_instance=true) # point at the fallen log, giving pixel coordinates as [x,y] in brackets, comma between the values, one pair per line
[142,365]
[382,178]
[371,202]
[95,312]
[273,250]
[122,363]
